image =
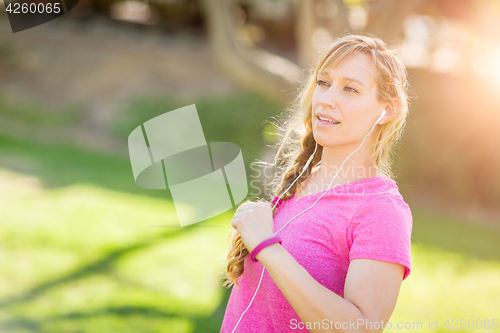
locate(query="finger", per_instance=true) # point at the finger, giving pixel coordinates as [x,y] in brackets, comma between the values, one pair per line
[239,210]
[242,214]
[244,205]
[234,223]
[237,221]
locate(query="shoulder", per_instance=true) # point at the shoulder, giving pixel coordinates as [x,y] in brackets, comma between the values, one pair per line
[381,230]
[383,210]
[387,200]
[381,195]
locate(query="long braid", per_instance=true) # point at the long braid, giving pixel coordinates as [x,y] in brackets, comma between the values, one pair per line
[308,145]
[238,251]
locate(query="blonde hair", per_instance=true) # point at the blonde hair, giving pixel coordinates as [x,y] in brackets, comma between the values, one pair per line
[297,143]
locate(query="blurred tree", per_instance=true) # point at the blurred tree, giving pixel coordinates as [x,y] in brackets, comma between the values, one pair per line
[386,17]
[313,25]
[254,68]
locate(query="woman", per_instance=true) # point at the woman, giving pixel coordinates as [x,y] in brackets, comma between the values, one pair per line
[345,248]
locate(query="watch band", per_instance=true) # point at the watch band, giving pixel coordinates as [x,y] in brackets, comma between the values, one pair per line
[266,243]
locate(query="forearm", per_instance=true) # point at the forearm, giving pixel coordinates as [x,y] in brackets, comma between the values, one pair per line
[312,301]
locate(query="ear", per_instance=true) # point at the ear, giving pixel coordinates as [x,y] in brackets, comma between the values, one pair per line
[392,110]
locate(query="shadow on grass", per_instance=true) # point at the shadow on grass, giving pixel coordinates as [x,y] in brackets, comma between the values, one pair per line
[105,265]
[210,323]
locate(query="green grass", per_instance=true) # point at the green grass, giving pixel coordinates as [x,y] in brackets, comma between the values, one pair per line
[81,250]
[455,275]
[30,113]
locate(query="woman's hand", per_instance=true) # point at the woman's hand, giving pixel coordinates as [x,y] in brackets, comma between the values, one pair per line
[254,222]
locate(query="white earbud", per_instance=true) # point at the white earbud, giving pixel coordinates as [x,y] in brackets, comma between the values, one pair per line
[381,116]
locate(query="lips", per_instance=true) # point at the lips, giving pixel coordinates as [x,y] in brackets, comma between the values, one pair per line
[326,119]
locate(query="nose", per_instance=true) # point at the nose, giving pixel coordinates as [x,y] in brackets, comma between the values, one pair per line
[327,100]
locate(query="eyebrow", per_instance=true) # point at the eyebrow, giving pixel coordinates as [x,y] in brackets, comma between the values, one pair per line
[345,78]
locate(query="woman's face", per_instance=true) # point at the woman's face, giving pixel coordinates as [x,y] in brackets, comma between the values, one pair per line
[347,95]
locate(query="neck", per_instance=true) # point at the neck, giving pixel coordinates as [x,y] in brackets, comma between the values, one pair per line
[358,166]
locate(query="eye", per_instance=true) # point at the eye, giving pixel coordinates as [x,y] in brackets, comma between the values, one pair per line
[352,89]
[321,82]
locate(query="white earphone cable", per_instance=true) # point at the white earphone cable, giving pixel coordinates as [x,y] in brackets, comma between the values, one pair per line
[324,192]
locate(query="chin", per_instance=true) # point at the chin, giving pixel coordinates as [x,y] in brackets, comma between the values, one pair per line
[325,143]
[325,139]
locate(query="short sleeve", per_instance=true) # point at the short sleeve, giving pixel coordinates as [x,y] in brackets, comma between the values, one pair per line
[381,230]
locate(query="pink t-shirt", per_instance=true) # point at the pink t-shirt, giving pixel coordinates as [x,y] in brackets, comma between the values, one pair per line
[367,218]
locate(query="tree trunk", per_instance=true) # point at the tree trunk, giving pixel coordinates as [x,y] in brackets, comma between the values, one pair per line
[253,68]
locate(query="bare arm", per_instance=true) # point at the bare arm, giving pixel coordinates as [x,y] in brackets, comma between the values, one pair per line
[370,294]
[371,286]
